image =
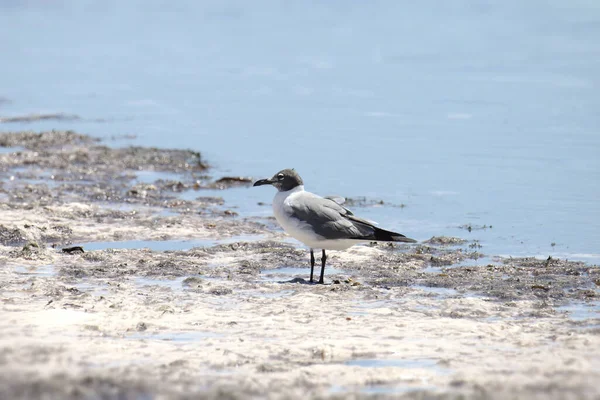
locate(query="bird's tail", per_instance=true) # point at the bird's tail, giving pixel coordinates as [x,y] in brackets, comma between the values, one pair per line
[388,236]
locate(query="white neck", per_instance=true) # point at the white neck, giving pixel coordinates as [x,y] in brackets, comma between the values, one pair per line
[299,188]
[281,196]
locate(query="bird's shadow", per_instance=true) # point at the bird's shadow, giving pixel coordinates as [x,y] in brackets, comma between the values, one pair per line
[301,281]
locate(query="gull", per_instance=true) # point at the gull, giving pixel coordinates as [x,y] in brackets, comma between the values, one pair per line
[320,222]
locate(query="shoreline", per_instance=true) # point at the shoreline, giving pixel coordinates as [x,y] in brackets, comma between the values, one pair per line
[238,319]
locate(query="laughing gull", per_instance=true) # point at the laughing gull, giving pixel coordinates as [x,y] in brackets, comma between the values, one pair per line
[320,222]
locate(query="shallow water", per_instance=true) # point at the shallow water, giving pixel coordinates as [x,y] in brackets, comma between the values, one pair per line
[153,176]
[41,271]
[582,311]
[190,336]
[467,113]
[405,364]
[396,362]
[436,291]
[165,245]
[156,245]
[8,150]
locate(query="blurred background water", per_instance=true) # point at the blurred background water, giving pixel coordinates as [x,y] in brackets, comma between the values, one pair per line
[467,112]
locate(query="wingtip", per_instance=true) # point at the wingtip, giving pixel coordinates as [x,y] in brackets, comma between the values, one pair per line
[403,239]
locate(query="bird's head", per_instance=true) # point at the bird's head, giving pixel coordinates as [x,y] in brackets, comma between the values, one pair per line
[284,180]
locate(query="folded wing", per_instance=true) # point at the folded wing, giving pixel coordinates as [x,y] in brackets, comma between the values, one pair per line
[328,219]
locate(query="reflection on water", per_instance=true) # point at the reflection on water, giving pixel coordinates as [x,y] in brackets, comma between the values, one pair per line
[468,113]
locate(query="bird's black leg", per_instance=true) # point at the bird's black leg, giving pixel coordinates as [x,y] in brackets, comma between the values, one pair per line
[323,259]
[312,264]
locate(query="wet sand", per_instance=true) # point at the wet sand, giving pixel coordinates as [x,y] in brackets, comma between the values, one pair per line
[174,296]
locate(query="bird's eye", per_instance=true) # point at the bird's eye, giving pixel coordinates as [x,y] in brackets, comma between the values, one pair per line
[280,177]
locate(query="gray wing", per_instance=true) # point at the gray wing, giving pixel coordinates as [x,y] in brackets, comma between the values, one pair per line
[328,219]
[337,199]
[340,201]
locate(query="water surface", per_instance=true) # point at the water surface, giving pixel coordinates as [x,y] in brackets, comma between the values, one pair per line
[482,113]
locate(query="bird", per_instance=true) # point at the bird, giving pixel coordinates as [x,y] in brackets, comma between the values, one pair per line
[320,222]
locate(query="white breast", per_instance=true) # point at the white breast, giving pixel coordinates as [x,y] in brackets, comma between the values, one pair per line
[300,230]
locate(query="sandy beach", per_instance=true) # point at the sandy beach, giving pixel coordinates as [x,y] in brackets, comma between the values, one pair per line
[223,308]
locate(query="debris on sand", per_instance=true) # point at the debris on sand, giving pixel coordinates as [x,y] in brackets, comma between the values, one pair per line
[116,283]
[445,240]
